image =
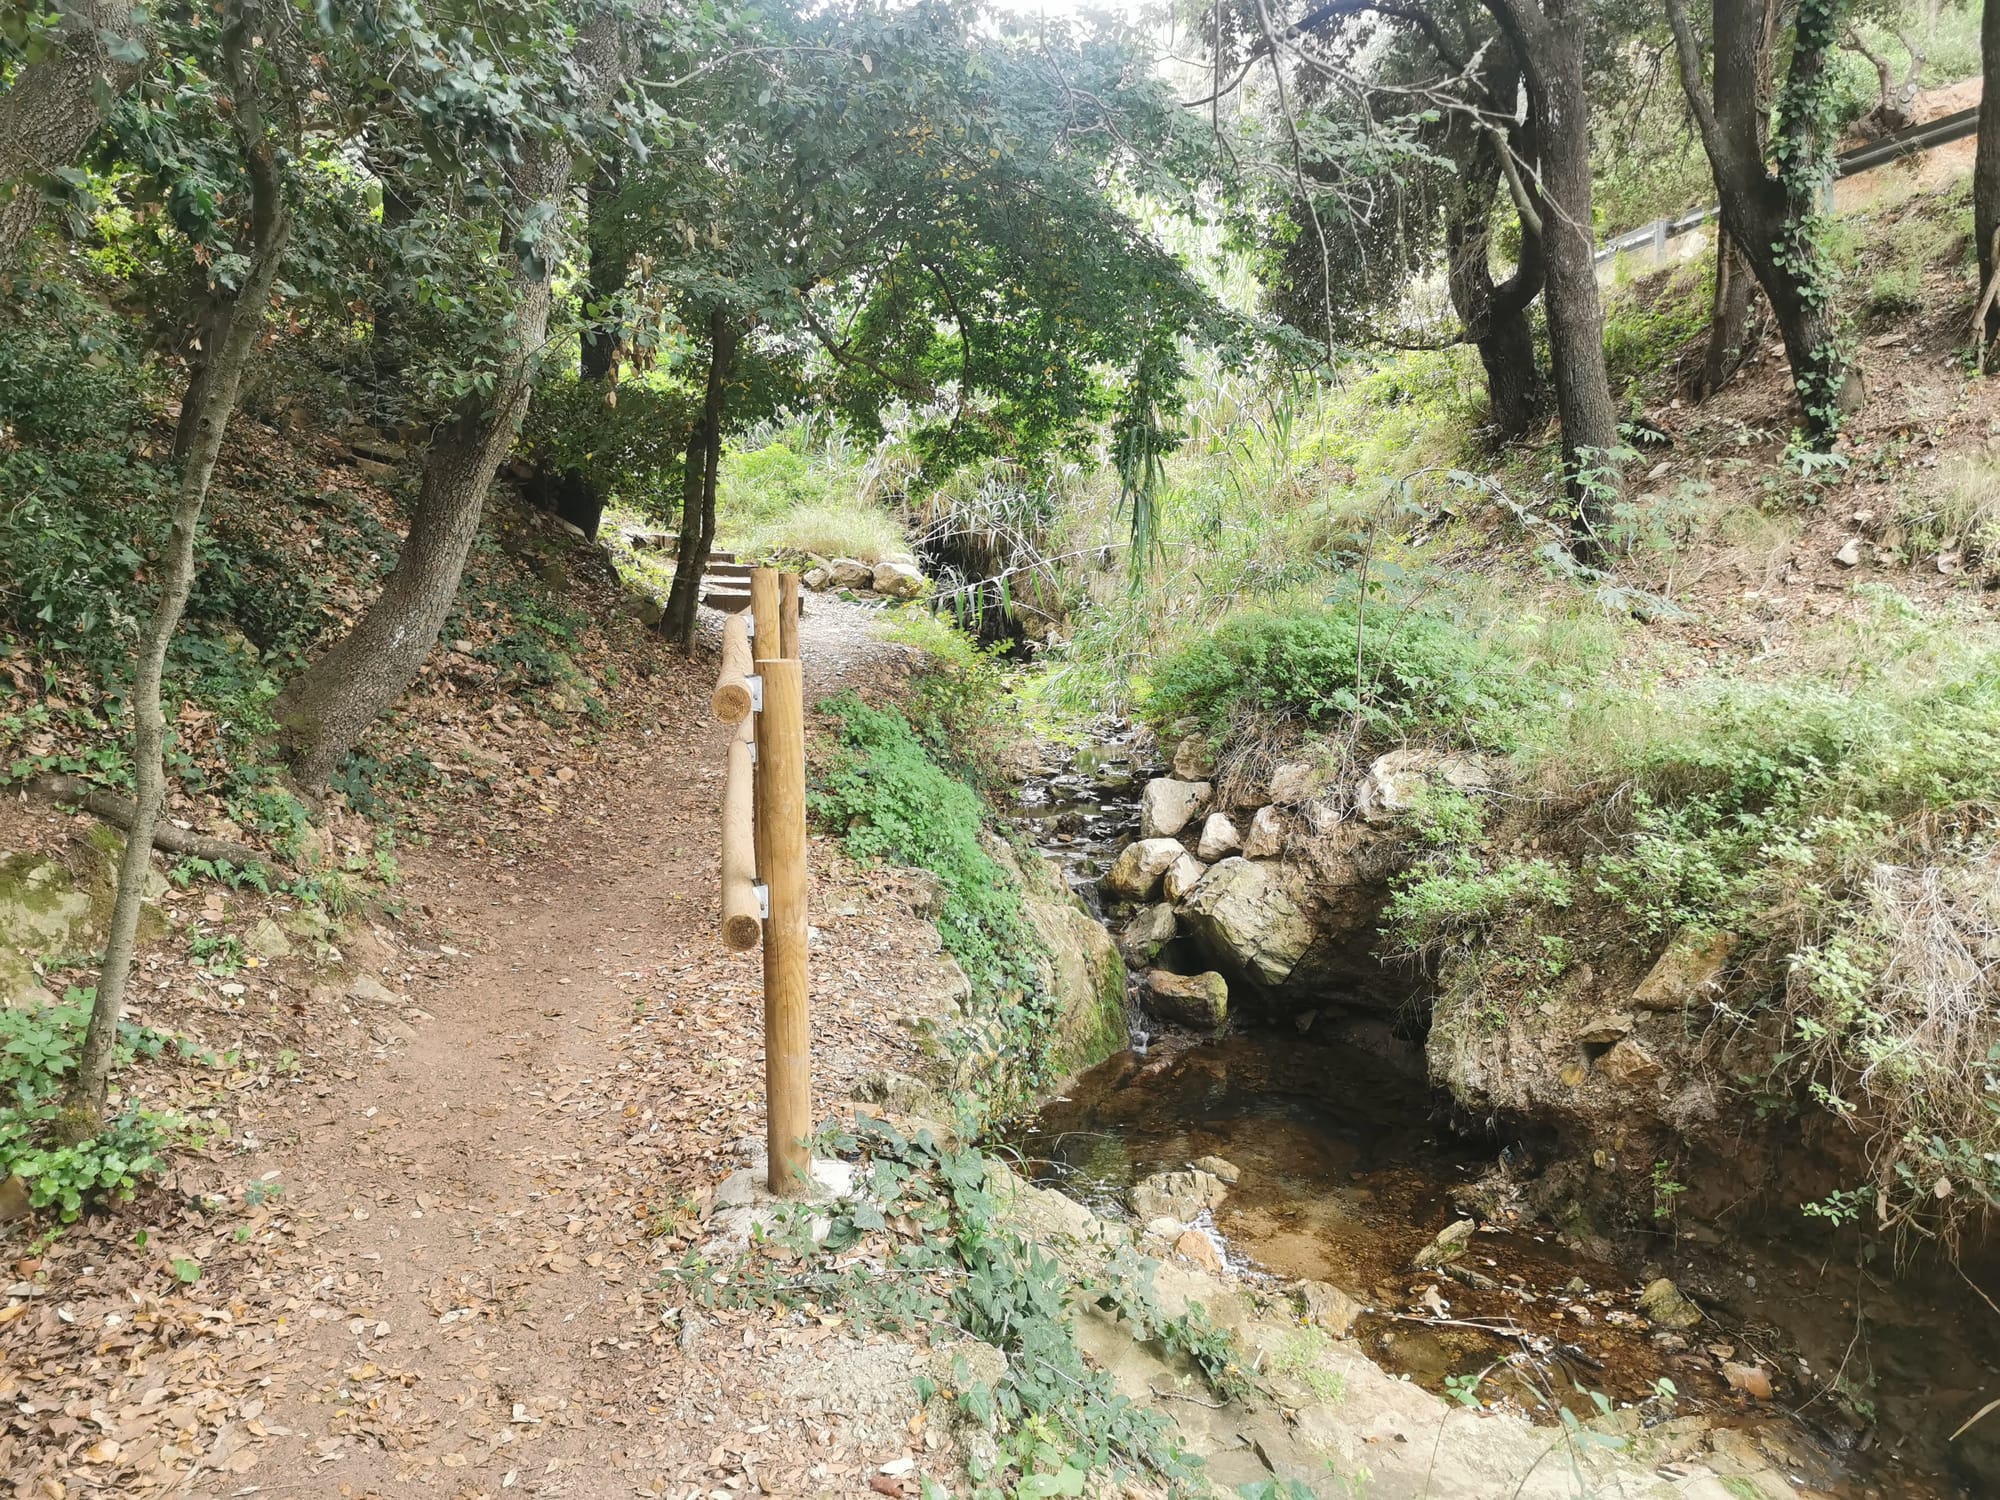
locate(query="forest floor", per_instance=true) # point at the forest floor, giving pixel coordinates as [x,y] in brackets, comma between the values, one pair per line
[444,1275]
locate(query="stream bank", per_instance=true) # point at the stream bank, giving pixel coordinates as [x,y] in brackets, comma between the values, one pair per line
[1348,1167]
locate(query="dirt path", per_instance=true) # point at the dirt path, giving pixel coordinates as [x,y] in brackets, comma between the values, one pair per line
[480,1221]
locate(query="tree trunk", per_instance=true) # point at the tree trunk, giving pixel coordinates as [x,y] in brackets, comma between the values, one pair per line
[1495,318]
[50,111]
[1548,37]
[270,227]
[699,474]
[1986,166]
[599,345]
[1731,330]
[323,712]
[1772,218]
[214,307]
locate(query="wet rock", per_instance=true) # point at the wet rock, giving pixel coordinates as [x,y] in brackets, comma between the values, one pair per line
[1663,1305]
[1147,933]
[1690,970]
[267,940]
[899,580]
[1328,1307]
[1246,918]
[849,573]
[1750,1380]
[1136,873]
[1629,1062]
[1167,806]
[1177,1195]
[1083,969]
[1182,876]
[1603,1030]
[1217,1166]
[1266,839]
[1194,758]
[1200,1001]
[1450,1245]
[1219,838]
[1199,1249]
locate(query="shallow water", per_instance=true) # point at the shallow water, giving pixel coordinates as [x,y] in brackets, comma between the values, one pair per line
[1348,1169]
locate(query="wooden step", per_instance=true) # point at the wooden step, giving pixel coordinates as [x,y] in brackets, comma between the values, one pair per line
[727,600]
[733,571]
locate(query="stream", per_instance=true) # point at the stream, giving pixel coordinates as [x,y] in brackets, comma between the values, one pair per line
[1348,1168]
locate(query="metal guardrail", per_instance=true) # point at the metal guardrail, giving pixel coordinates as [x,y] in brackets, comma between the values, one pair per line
[1912,141]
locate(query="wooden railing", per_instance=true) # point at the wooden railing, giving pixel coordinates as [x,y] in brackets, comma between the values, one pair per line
[761,689]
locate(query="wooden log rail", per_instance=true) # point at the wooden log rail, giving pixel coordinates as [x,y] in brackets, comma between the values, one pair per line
[760,687]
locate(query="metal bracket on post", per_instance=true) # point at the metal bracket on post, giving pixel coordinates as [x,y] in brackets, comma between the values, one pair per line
[753,752]
[756,683]
[763,900]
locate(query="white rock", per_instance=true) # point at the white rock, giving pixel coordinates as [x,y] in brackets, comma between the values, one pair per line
[816,579]
[1136,872]
[847,573]
[899,580]
[1182,876]
[1292,782]
[1218,838]
[1167,806]
[1849,555]
[1266,839]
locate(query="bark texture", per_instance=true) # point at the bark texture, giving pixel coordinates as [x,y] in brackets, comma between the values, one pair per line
[1986,166]
[698,481]
[1495,315]
[1732,326]
[1765,213]
[270,227]
[49,113]
[1548,38]
[323,713]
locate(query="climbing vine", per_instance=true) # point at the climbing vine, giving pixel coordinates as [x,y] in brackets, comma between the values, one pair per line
[1807,125]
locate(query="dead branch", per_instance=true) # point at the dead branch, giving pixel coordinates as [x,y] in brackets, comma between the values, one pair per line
[104,804]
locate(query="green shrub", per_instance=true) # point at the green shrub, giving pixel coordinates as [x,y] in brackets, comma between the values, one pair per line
[37,1050]
[890,800]
[1397,672]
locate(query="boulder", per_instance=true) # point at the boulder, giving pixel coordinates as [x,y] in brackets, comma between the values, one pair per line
[1182,876]
[816,579]
[1266,839]
[847,573]
[1293,781]
[1603,1030]
[1629,1062]
[1218,839]
[1328,1307]
[1167,806]
[1136,873]
[1663,1305]
[1199,1249]
[1084,971]
[1248,920]
[1449,1246]
[266,939]
[1194,758]
[899,580]
[1147,933]
[365,989]
[1177,1195]
[1392,785]
[1199,1001]
[1217,1166]
[1851,552]
[1690,970]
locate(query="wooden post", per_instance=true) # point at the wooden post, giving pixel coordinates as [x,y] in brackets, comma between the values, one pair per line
[764,608]
[788,616]
[781,821]
[741,923]
[731,701]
